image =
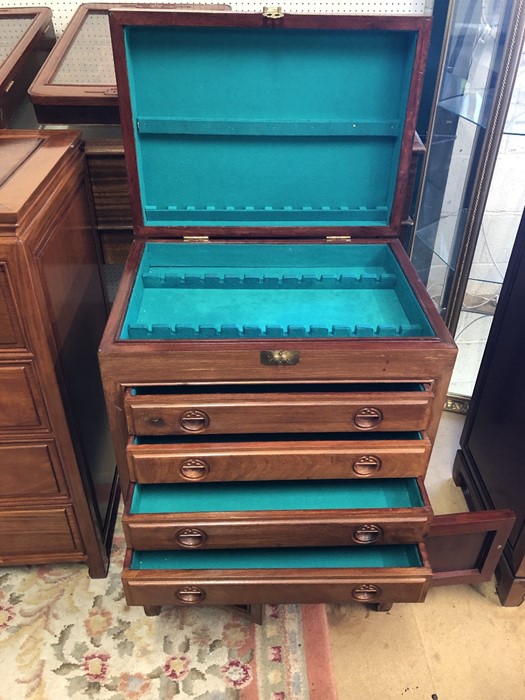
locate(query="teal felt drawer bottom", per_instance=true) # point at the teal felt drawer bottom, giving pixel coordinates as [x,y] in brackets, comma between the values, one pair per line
[277,514]
[248,576]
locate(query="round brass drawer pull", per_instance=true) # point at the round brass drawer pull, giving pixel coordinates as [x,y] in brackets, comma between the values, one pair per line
[194,469]
[191,594]
[194,421]
[191,537]
[368,418]
[367,534]
[366,592]
[366,465]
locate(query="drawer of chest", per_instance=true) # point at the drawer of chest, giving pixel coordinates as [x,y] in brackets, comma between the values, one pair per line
[27,533]
[171,459]
[251,576]
[278,408]
[276,514]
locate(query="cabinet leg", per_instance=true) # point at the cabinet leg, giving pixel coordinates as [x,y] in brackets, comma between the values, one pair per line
[457,475]
[511,590]
[152,610]
[383,607]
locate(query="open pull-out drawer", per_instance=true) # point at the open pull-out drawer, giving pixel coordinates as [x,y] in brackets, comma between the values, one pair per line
[174,459]
[308,575]
[462,548]
[276,514]
[278,409]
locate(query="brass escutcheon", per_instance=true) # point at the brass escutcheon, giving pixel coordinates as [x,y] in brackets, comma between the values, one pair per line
[191,537]
[273,12]
[367,534]
[191,594]
[366,592]
[194,469]
[368,418]
[194,420]
[280,357]
[366,465]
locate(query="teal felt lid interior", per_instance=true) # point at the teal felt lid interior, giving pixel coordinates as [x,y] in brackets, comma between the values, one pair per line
[249,126]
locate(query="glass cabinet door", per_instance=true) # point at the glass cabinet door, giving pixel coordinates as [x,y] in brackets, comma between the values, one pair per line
[473,186]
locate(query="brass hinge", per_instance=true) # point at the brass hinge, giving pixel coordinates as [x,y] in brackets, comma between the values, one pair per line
[273,12]
[195,239]
[338,239]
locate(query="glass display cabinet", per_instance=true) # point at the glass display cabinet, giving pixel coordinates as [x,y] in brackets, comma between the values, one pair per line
[473,186]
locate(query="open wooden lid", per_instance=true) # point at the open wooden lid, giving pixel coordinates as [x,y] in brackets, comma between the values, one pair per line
[244,126]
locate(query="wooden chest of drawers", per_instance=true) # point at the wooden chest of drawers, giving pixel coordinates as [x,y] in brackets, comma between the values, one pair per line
[58,488]
[274,369]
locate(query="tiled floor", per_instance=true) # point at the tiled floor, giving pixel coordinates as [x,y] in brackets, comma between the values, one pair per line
[461,644]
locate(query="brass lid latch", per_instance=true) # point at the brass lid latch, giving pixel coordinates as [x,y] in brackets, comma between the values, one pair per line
[273,12]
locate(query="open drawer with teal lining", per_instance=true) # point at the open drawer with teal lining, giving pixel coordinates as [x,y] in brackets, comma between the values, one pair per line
[459,548]
[398,573]
[276,514]
[256,457]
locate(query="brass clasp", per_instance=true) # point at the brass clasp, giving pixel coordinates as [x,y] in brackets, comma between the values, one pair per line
[273,12]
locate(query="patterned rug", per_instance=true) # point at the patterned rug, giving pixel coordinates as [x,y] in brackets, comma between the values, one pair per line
[64,635]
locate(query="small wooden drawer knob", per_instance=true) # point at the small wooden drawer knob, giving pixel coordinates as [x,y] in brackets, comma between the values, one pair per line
[191,594]
[191,537]
[368,418]
[366,592]
[194,469]
[193,421]
[366,465]
[367,534]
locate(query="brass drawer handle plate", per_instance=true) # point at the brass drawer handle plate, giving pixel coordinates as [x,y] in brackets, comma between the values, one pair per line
[191,538]
[191,595]
[194,421]
[280,357]
[368,418]
[366,465]
[367,534]
[194,469]
[366,592]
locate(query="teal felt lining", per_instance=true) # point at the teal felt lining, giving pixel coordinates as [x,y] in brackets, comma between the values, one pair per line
[185,291]
[281,558]
[276,496]
[236,124]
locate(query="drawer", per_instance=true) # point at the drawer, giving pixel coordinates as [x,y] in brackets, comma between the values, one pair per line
[31,470]
[278,409]
[21,403]
[172,459]
[276,514]
[252,576]
[26,533]
[11,334]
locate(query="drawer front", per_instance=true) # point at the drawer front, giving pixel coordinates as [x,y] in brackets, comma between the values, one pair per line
[278,413]
[165,462]
[31,470]
[24,533]
[323,584]
[275,529]
[21,403]
[11,335]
